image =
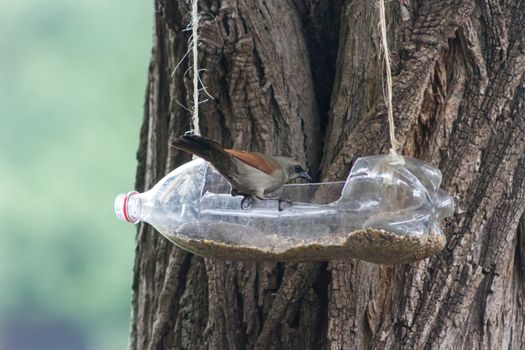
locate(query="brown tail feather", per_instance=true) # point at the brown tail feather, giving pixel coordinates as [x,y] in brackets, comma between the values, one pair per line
[203,147]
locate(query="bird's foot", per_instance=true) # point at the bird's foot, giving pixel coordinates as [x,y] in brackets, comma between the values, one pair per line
[283,204]
[246,202]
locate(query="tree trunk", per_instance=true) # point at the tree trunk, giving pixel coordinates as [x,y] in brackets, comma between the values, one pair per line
[303,78]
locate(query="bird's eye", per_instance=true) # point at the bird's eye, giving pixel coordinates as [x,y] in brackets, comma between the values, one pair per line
[298,169]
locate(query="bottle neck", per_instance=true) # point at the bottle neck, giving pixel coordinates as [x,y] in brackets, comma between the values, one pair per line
[128,207]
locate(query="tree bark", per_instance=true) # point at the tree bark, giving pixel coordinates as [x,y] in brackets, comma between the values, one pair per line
[303,78]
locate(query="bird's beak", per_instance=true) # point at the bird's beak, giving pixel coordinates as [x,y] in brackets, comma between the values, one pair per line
[305,175]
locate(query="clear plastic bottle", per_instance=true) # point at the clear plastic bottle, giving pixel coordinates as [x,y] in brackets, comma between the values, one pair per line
[395,194]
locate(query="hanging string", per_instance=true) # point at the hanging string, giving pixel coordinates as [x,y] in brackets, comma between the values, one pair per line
[194,47]
[386,56]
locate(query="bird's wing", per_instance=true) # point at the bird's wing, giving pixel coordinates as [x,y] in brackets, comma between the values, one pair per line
[224,159]
[256,160]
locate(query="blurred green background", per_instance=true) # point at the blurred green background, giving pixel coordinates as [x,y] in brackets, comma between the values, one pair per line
[72,81]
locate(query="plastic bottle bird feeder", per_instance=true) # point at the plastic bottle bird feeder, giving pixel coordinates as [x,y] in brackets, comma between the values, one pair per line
[387,211]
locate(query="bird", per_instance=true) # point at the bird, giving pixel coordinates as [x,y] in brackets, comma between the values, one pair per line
[251,174]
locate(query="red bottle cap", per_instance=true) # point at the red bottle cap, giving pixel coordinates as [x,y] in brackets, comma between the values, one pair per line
[121,207]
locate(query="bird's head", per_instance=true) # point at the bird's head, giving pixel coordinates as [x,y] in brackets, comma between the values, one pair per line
[293,169]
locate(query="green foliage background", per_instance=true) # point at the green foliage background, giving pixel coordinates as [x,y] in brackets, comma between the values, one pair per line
[72,81]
